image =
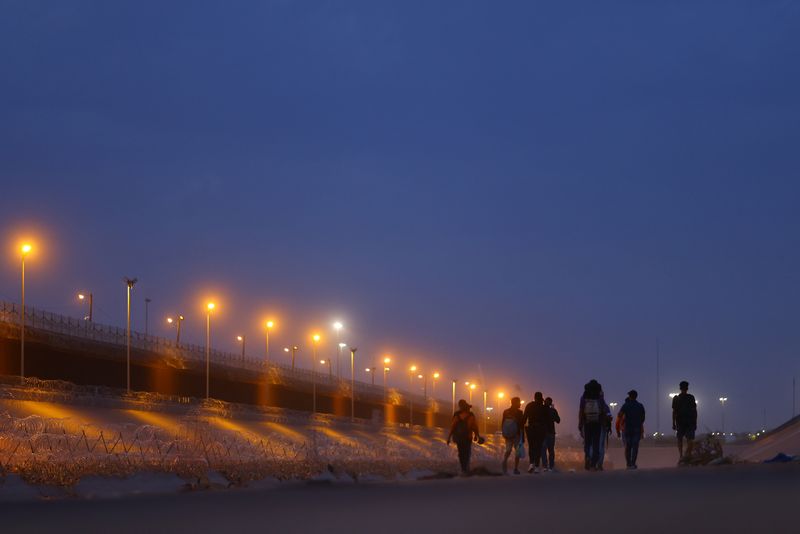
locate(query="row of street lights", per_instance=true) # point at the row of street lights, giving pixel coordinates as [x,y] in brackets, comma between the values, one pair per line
[27,248]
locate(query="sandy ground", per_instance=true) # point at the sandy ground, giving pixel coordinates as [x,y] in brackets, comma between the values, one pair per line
[742,498]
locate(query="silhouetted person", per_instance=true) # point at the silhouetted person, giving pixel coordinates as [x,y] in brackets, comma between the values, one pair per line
[462,430]
[684,419]
[605,431]
[549,447]
[592,415]
[511,428]
[537,416]
[631,416]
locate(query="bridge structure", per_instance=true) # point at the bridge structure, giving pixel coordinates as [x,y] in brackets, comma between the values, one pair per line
[59,347]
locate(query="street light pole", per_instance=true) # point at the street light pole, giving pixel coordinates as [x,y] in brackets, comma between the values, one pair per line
[722,401]
[315,339]
[412,370]
[209,307]
[485,417]
[454,395]
[25,250]
[128,282]
[82,297]
[338,327]
[353,383]
[270,324]
[243,339]
[147,302]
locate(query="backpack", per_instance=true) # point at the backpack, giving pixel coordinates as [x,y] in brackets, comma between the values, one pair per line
[510,428]
[461,432]
[591,410]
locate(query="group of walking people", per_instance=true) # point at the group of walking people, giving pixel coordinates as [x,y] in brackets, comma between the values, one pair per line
[537,421]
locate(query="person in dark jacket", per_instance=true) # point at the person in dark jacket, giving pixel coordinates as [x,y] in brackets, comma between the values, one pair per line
[632,415]
[592,416]
[549,447]
[684,419]
[537,417]
[463,430]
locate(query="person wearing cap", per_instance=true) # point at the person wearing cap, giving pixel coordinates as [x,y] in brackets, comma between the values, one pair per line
[462,430]
[684,419]
[631,419]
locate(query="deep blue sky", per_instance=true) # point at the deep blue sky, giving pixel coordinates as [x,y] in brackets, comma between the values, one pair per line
[538,188]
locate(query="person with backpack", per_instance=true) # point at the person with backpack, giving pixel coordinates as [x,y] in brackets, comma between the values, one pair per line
[537,416]
[592,415]
[463,430]
[511,428]
[684,419]
[630,426]
[607,422]
[549,447]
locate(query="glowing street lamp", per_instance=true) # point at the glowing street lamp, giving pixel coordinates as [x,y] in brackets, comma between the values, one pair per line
[129,282]
[386,361]
[315,338]
[242,339]
[612,405]
[411,371]
[433,384]
[337,325]
[454,395]
[270,325]
[209,308]
[471,389]
[90,300]
[25,249]
[177,322]
[723,400]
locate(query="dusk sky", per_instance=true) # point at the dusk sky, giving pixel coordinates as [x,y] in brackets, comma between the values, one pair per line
[532,192]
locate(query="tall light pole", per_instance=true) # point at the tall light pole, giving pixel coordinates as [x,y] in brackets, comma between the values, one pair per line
[353,383]
[330,368]
[147,302]
[270,324]
[471,389]
[433,384]
[315,338]
[386,361]
[658,386]
[411,371]
[485,418]
[90,298]
[723,400]
[129,282]
[209,308]
[337,325]
[293,350]
[454,395]
[372,371]
[242,339]
[25,249]
[177,322]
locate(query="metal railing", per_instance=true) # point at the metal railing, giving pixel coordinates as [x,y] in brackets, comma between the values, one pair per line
[92,331]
